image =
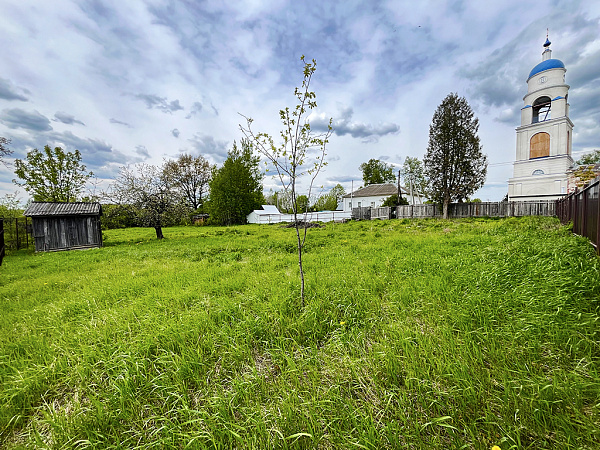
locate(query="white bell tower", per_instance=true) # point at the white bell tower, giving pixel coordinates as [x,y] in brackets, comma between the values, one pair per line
[545,135]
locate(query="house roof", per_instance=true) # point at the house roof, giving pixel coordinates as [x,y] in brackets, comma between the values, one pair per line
[38,209]
[374,190]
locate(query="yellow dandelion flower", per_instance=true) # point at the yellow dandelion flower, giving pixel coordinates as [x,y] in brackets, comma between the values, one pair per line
[342,323]
[495,447]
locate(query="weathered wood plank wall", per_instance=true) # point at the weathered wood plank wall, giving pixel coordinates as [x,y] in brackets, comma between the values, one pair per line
[62,233]
[483,209]
[460,210]
[361,213]
[383,213]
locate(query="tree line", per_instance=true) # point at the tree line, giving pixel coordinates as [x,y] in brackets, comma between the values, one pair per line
[453,168]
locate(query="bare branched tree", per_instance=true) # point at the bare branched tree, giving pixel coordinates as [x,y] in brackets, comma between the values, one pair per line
[143,189]
[300,153]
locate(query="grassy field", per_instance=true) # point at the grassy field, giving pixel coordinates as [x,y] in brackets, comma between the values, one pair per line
[415,334]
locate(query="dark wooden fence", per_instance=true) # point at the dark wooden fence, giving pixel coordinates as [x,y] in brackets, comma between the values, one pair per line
[383,213]
[582,208]
[459,210]
[2,247]
[361,213]
[17,233]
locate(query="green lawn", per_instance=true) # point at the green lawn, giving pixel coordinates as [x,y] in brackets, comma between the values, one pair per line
[415,334]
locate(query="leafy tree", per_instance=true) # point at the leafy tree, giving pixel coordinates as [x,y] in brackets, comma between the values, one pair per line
[190,175]
[52,176]
[293,158]
[392,201]
[118,216]
[414,175]
[272,198]
[589,158]
[4,150]
[278,199]
[143,193]
[583,174]
[236,187]
[454,163]
[377,172]
[335,196]
[10,206]
[330,201]
[302,203]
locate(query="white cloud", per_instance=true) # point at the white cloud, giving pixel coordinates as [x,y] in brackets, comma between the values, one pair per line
[115,66]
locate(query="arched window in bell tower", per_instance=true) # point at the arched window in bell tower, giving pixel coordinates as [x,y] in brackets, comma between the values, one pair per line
[539,146]
[541,109]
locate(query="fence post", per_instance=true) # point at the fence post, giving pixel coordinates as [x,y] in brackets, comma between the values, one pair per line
[598,220]
[575,209]
[17,232]
[584,218]
[1,240]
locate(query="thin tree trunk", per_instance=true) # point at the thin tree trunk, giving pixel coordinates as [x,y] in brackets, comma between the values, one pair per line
[159,233]
[445,209]
[300,264]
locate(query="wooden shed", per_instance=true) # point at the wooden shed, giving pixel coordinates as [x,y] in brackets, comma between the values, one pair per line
[65,226]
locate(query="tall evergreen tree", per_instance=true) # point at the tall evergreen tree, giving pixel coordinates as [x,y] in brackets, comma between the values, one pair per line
[454,163]
[236,187]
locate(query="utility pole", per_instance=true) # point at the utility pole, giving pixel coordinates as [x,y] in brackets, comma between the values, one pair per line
[399,188]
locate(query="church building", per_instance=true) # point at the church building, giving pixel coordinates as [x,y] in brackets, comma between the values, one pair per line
[544,137]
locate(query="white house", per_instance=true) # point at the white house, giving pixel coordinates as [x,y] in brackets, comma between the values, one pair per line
[374,195]
[543,154]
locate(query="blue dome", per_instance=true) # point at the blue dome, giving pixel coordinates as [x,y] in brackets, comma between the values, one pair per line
[545,65]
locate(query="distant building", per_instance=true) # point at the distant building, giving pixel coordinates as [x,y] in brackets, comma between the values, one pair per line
[270,214]
[544,138]
[374,195]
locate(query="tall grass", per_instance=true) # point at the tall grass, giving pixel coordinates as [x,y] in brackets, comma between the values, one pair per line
[415,334]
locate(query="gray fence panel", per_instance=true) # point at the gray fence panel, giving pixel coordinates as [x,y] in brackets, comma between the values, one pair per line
[483,209]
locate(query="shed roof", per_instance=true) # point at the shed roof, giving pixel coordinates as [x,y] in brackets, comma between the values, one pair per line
[373,190]
[267,209]
[39,209]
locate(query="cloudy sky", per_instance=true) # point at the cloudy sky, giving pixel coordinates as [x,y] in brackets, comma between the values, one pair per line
[140,81]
